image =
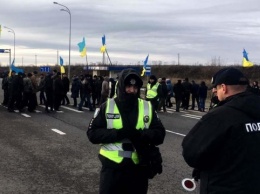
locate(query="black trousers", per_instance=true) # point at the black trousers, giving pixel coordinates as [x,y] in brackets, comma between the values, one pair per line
[49,101]
[193,99]
[123,181]
[65,98]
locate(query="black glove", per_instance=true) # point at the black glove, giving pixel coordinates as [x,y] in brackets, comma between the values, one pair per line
[122,134]
[129,133]
[196,174]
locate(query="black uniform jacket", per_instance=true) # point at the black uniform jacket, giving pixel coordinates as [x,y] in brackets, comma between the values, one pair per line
[225,146]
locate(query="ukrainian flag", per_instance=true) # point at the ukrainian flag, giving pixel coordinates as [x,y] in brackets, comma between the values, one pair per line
[62,69]
[82,48]
[103,47]
[144,66]
[246,62]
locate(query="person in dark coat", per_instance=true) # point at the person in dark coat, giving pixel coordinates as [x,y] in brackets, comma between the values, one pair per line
[164,93]
[223,146]
[202,93]
[15,89]
[48,88]
[19,91]
[75,88]
[33,98]
[5,89]
[170,93]
[41,89]
[66,85]
[27,91]
[186,95]
[178,94]
[194,94]
[58,91]
[86,93]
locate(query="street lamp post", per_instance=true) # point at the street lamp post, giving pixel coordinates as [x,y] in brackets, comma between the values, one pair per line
[68,11]
[12,31]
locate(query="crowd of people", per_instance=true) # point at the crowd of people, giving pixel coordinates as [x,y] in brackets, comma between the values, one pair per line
[161,91]
[187,95]
[20,91]
[23,91]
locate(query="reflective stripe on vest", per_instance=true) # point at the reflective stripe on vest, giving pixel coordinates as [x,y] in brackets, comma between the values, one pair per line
[152,92]
[114,151]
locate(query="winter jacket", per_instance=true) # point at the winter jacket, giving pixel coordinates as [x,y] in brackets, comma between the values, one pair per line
[225,146]
[99,134]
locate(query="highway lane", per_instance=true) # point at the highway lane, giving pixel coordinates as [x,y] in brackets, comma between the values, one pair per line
[36,159]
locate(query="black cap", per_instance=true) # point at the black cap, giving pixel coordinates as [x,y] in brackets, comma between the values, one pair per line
[134,80]
[229,76]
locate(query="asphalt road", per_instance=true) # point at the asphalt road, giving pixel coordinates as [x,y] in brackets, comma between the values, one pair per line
[50,153]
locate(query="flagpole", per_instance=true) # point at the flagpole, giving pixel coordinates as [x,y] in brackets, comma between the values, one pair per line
[108,57]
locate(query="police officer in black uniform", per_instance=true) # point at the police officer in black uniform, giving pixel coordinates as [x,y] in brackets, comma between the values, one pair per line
[224,146]
[126,126]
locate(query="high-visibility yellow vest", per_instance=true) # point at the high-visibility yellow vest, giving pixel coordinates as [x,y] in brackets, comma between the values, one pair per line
[114,151]
[152,92]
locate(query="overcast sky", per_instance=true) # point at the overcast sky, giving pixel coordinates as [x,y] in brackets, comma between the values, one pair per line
[198,30]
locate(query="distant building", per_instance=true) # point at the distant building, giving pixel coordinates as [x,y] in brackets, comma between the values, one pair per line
[110,70]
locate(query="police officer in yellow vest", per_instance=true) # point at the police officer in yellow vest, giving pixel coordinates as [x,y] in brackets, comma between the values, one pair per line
[153,91]
[123,126]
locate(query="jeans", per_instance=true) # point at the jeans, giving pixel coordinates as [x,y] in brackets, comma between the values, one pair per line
[87,98]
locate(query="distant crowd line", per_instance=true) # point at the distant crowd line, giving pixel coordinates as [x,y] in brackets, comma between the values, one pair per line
[20,92]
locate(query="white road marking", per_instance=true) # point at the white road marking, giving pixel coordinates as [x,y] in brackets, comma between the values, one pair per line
[25,115]
[192,116]
[60,111]
[72,109]
[58,131]
[176,133]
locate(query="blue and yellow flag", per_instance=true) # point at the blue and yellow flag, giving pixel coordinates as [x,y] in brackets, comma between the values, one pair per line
[246,62]
[103,47]
[62,69]
[13,68]
[144,66]
[82,48]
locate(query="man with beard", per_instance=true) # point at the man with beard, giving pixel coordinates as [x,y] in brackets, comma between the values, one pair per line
[126,126]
